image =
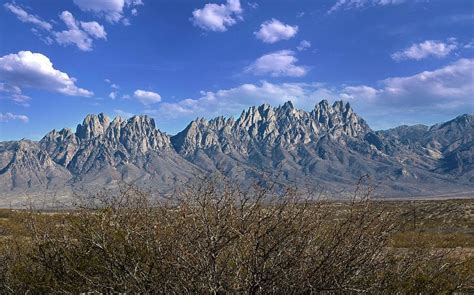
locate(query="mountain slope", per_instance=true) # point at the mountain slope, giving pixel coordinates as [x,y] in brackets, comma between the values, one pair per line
[329,146]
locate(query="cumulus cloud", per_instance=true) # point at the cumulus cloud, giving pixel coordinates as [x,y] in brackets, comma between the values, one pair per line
[449,85]
[364,92]
[426,49]
[35,70]
[274,30]
[217,17]
[112,10]
[305,44]
[359,4]
[277,64]
[80,34]
[6,117]
[94,29]
[233,100]
[436,95]
[25,17]
[147,97]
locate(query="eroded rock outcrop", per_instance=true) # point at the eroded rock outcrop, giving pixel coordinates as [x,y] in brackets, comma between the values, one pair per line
[329,146]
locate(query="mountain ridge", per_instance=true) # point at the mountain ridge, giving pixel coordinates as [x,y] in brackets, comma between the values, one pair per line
[329,146]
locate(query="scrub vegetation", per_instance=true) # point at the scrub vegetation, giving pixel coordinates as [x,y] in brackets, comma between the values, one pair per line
[214,237]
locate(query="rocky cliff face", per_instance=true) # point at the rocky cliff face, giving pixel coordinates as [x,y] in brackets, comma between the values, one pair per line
[447,148]
[268,126]
[329,146]
[25,165]
[106,152]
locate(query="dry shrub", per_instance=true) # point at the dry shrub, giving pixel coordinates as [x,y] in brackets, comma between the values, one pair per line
[214,237]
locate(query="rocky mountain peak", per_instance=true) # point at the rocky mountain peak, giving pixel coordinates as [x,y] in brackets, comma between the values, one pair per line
[323,104]
[338,106]
[221,122]
[116,121]
[331,143]
[265,125]
[61,145]
[288,105]
[339,118]
[200,133]
[58,136]
[93,126]
[29,157]
[461,121]
[249,117]
[138,134]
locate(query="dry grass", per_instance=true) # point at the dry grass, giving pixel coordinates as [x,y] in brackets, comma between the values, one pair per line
[214,237]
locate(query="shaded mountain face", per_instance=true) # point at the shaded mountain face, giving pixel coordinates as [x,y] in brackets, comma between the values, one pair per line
[329,147]
[447,148]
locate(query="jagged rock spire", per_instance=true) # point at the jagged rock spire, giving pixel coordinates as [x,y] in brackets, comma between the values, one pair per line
[330,143]
[92,126]
[266,125]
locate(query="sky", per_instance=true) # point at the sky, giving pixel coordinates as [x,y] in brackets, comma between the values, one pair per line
[396,61]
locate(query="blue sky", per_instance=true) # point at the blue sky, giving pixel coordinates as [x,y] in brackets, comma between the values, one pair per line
[397,62]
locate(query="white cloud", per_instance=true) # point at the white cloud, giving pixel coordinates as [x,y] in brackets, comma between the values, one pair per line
[6,117]
[82,38]
[35,70]
[438,94]
[217,17]
[25,17]
[231,101]
[126,22]
[355,92]
[78,33]
[133,3]
[112,85]
[469,45]
[426,49]
[253,5]
[305,44]
[44,38]
[277,64]
[359,4]
[114,89]
[449,85]
[123,114]
[274,30]
[112,10]
[14,93]
[147,97]
[94,29]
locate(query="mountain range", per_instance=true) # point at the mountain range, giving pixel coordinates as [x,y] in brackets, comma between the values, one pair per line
[329,147]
